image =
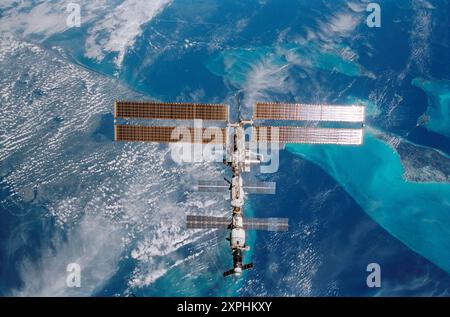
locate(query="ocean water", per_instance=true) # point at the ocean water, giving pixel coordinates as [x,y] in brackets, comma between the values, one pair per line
[214,257]
[348,206]
[438,110]
[415,213]
[370,175]
[330,242]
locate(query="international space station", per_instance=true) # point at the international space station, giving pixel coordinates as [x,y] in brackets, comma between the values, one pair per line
[237,149]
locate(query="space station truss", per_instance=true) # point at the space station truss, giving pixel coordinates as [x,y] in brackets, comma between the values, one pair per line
[210,222]
[170,111]
[307,135]
[308,112]
[210,186]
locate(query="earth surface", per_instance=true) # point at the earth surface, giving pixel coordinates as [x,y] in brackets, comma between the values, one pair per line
[69,194]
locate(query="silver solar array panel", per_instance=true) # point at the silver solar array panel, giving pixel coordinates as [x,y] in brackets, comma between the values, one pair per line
[269,224]
[260,188]
[306,112]
[210,222]
[208,186]
[212,186]
[307,135]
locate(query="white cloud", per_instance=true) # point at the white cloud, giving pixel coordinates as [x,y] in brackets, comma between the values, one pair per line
[420,35]
[123,25]
[110,28]
[96,251]
[265,79]
[340,24]
[88,183]
[357,6]
[333,27]
[44,19]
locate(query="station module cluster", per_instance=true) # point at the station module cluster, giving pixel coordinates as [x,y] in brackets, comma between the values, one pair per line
[239,157]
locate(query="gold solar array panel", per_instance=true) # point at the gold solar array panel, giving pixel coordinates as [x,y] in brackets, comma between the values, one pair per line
[135,133]
[307,135]
[207,222]
[305,112]
[169,111]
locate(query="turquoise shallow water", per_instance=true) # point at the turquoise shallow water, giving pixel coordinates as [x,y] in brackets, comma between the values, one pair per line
[235,64]
[418,214]
[331,58]
[438,110]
